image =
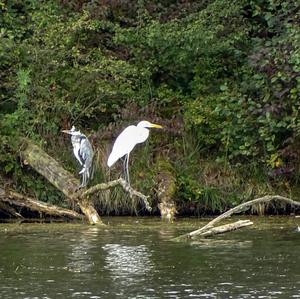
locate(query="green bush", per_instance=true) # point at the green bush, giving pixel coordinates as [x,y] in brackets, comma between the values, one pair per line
[226,71]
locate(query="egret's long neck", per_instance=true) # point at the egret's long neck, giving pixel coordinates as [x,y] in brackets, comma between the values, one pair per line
[141,134]
[142,126]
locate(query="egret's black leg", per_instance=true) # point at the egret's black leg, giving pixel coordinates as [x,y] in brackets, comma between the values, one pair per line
[127,169]
[124,167]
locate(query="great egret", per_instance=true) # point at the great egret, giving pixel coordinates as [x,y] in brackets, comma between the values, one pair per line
[127,140]
[83,152]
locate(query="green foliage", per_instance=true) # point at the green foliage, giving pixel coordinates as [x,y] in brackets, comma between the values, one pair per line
[207,198]
[230,68]
[253,111]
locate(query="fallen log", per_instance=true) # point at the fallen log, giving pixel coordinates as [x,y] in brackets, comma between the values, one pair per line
[240,208]
[59,177]
[17,199]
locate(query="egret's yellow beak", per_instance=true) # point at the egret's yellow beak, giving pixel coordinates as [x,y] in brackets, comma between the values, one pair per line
[156,126]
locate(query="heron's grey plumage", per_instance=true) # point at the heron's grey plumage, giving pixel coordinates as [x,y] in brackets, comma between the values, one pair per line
[84,153]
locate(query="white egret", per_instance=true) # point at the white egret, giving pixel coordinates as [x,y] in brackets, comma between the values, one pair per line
[127,140]
[83,152]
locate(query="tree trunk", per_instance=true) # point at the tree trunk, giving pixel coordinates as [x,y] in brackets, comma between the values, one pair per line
[166,188]
[60,178]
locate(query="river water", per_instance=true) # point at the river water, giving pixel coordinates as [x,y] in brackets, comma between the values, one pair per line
[135,258]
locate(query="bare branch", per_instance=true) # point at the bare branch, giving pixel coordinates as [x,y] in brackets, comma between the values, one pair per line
[240,208]
[100,187]
[127,188]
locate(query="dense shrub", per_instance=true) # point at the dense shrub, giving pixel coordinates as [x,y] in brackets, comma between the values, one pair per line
[229,70]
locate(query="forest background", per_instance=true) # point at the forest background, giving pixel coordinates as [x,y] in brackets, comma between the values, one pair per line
[221,76]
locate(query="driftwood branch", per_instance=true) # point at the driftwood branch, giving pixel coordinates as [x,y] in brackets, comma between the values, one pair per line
[226,228]
[240,208]
[17,199]
[127,188]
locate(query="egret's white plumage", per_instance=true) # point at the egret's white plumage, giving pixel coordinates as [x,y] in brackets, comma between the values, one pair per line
[127,140]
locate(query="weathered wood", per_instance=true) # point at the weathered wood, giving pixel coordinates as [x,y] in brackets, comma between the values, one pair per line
[124,185]
[59,177]
[240,208]
[49,168]
[226,228]
[17,199]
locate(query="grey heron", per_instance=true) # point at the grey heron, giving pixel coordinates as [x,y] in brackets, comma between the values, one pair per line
[84,153]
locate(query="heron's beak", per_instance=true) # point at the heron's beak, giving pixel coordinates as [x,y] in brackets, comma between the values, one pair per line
[156,126]
[67,132]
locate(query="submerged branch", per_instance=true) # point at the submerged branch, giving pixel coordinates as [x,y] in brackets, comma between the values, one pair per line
[240,208]
[127,188]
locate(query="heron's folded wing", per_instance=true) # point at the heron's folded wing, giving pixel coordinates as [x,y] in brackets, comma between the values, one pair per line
[86,152]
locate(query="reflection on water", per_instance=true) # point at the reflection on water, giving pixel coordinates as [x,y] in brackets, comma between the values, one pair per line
[127,264]
[139,261]
[79,258]
[127,260]
[211,243]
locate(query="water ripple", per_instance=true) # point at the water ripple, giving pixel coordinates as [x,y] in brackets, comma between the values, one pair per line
[126,263]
